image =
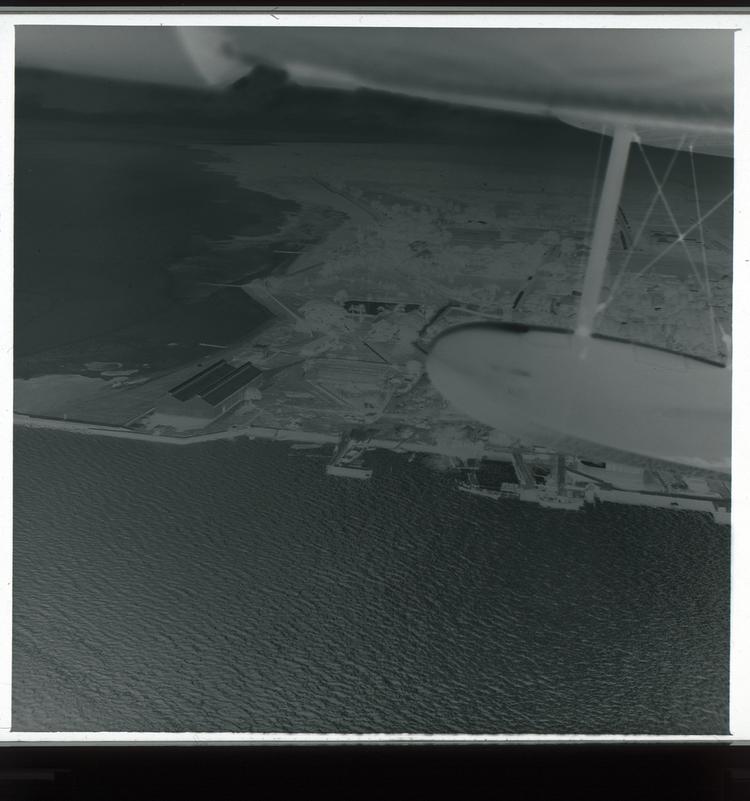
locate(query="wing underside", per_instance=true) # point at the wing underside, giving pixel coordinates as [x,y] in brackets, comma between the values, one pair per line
[673,88]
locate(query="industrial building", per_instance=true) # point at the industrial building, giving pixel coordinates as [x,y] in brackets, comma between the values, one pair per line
[372,308]
[359,388]
[352,374]
[206,395]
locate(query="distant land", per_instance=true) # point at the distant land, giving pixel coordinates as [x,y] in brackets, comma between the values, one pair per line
[263,106]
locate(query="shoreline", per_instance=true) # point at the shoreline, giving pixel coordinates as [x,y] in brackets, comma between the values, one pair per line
[717,507]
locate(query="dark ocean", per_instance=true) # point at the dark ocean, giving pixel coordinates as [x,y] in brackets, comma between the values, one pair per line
[111,236]
[233,586]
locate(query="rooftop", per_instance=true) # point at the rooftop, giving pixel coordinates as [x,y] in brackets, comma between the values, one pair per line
[202,381]
[216,383]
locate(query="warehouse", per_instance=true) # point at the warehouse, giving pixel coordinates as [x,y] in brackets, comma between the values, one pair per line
[206,395]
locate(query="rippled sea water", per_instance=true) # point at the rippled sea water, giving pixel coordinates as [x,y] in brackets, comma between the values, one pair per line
[233,586]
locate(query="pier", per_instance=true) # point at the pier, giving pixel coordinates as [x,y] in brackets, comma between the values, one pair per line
[568,484]
[525,478]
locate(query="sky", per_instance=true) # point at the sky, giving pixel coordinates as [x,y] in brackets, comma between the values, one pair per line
[155,54]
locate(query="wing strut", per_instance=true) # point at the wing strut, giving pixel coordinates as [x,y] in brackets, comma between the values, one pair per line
[603,229]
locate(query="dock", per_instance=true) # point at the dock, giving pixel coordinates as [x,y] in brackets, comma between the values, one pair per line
[569,484]
[523,473]
[348,458]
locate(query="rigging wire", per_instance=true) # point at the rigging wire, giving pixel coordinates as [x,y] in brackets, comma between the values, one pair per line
[675,225]
[687,231]
[681,236]
[705,260]
[624,268]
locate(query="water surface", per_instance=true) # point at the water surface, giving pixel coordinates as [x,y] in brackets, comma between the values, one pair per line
[233,586]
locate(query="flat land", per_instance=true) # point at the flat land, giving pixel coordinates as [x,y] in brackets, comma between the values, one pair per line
[189,265]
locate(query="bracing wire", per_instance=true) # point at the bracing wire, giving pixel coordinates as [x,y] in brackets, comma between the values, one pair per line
[624,268]
[703,256]
[685,233]
[681,236]
[675,224]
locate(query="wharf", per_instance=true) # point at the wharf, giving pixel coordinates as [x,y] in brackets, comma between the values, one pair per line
[250,432]
[566,485]
[348,459]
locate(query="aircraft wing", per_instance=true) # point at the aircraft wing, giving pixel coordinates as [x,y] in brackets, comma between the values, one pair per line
[674,88]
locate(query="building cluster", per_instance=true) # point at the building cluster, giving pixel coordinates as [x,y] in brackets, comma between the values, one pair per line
[206,396]
[557,481]
[348,344]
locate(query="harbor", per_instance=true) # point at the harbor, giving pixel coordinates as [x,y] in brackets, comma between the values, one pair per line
[337,305]
[244,500]
[551,480]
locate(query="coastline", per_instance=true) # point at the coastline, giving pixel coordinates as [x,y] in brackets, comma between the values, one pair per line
[566,498]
